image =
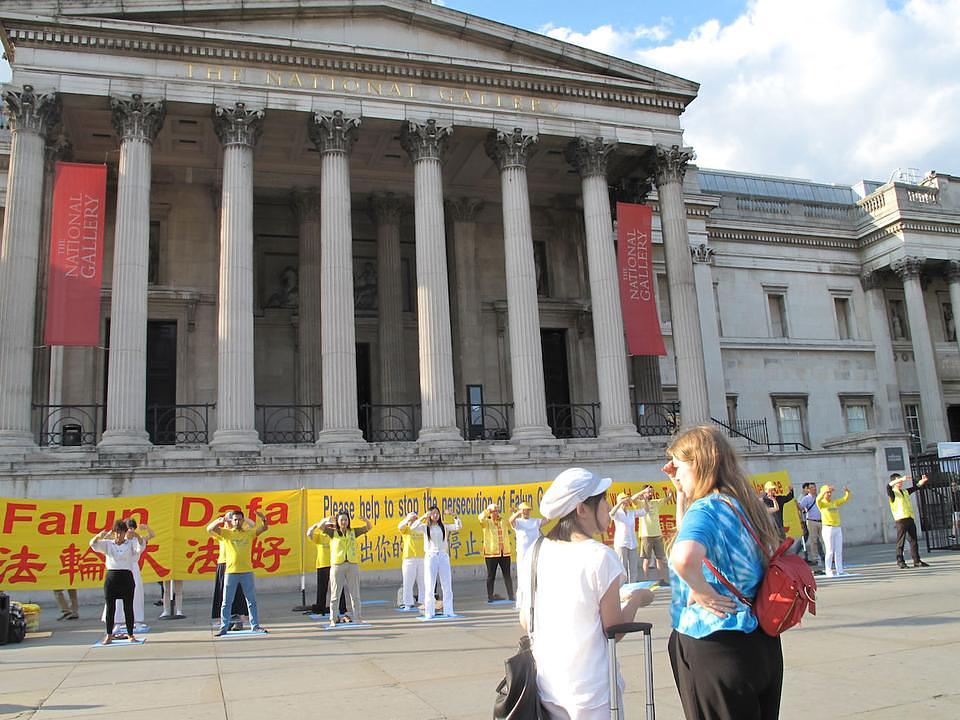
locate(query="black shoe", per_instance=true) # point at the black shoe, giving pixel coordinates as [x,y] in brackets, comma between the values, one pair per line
[810,562]
[818,572]
[920,564]
[901,564]
[221,632]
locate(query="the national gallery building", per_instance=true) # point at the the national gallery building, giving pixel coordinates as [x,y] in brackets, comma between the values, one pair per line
[372,242]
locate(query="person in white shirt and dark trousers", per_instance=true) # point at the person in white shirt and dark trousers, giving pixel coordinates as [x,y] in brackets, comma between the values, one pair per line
[121,552]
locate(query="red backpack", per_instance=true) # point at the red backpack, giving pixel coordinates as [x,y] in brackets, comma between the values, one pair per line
[787,590]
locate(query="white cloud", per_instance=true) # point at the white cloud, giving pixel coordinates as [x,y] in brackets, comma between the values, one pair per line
[834,91]
[607,40]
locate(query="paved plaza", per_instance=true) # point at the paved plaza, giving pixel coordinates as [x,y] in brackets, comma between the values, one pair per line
[885,645]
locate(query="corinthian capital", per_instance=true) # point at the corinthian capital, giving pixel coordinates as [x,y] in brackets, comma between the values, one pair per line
[670,164]
[464,209]
[511,149]
[333,133]
[137,119]
[306,204]
[385,208]
[424,142]
[32,111]
[702,253]
[237,125]
[589,155]
[908,267]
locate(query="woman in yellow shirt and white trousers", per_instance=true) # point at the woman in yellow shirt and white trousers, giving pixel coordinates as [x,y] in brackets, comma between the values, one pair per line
[345,565]
[832,534]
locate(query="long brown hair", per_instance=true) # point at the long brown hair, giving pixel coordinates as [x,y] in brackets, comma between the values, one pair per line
[716,467]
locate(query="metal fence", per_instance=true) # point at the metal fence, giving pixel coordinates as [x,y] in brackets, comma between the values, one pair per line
[68,425]
[654,419]
[939,500]
[485,421]
[287,424]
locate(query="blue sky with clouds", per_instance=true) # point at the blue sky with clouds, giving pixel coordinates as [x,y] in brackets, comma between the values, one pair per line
[830,90]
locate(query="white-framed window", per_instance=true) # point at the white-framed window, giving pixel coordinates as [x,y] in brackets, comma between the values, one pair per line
[843,311]
[791,412]
[911,423]
[857,412]
[777,312]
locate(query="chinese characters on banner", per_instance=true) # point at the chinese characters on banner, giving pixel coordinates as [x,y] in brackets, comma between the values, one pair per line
[44,543]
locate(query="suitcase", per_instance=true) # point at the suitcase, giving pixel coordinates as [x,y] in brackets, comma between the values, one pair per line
[623,629]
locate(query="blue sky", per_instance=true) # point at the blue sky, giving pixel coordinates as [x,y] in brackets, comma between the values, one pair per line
[829,90]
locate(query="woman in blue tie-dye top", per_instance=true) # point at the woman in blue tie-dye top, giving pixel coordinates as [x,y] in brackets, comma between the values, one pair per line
[725,666]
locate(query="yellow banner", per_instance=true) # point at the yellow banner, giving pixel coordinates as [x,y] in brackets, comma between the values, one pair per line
[44,543]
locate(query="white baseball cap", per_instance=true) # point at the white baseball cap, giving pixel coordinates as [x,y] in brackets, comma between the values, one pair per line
[569,489]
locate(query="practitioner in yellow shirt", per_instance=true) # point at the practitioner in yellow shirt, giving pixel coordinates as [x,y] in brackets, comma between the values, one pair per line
[345,564]
[412,563]
[832,534]
[903,517]
[497,549]
[316,535]
[236,552]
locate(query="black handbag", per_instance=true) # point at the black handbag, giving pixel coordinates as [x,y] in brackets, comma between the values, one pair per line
[517,695]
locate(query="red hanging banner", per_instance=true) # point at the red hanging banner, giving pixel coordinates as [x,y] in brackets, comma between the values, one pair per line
[635,263]
[76,254]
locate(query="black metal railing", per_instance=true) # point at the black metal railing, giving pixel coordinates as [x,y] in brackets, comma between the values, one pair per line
[287,424]
[485,421]
[389,423]
[938,500]
[179,424]
[67,425]
[787,446]
[573,420]
[755,431]
[659,418]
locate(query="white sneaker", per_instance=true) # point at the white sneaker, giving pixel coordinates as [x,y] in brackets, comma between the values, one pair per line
[164,616]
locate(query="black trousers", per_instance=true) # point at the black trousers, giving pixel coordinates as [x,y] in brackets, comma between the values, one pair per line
[728,675]
[503,562]
[907,528]
[320,607]
[119,585]
[239,606]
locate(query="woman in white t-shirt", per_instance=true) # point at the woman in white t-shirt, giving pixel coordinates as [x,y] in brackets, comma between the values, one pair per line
[436,559]
[527,530]
[578,595]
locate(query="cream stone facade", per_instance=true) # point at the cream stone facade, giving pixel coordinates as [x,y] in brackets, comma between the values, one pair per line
[369,243]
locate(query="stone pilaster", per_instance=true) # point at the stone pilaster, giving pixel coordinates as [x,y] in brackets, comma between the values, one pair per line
[953,282]
[510,152]
[306,207]
[386,209]
[688,342]
[137,122]
[425,145]
[238,129]
[888,410]
[463,215]
[31,115]
[334,136]
[703,256]
[935,430]
[589,157]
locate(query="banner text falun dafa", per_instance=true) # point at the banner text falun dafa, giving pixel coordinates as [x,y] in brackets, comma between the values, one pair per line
[44,543]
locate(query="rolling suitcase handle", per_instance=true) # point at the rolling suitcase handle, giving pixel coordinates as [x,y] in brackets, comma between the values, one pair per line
[623,629]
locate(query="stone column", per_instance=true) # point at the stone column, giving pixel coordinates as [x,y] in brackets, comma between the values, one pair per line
[385,208]
[712,357]
[425,145]
[925,360]
[888,410]
[953,279]
[31,115]
[137,122]
[671,164]
[589,157]
[306,207]
[238,129]
[510,152]
[463,213]
[334,136]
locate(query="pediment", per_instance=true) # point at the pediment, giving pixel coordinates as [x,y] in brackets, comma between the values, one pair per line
[417,30]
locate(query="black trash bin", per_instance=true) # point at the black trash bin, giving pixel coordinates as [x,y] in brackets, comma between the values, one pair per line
[4,617]
[71,435]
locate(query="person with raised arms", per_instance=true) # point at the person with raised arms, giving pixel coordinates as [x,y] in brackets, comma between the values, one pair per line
[141,535]
[316,535]
[121,553]
[832,533]
[239,609]
[238,547]
[527,530]
[345,565]
[624,516]
[436,559]
[412,564]
[497,549]
[902,510]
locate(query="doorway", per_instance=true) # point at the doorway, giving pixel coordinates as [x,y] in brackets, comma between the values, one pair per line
[161,379]
[556,381]
[953,421]
[364,392]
